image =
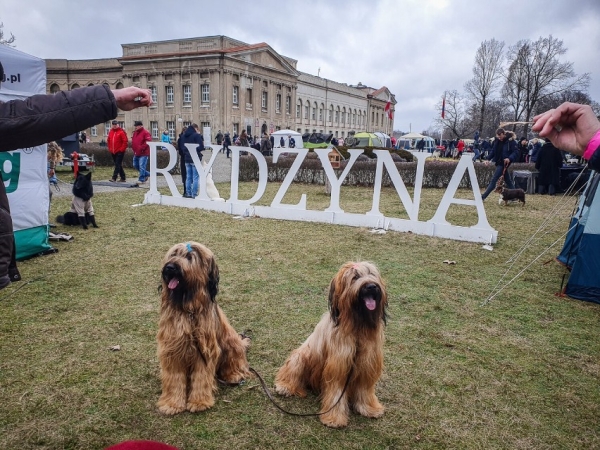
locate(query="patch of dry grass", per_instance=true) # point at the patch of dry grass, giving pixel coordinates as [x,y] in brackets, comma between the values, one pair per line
[521,372]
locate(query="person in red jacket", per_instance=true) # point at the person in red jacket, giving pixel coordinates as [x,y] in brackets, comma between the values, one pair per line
[141,150]
[117,144]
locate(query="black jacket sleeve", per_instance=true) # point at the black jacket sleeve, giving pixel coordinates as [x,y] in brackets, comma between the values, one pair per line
[44,118]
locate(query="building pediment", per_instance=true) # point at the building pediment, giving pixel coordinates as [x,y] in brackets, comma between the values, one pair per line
[262,55]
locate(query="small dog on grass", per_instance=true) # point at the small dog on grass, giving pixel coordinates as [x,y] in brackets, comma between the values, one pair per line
[507,195]
[82,210]
[343,358]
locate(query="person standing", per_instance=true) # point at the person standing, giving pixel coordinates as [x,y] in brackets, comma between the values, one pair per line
[117,144]
[181,151]
[244,139]
[226,144]
[191,136]
[219,138]
[421,145]
[291,142]
[282,142]
[504,152]
[535,150]
[165,138]
[548,163]
[141,150]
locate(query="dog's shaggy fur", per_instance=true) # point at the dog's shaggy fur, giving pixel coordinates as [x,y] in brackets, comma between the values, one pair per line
[196,344]
[343,358]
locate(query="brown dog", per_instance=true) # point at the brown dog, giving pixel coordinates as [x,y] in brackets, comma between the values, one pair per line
[507,195]
[343,357]
[196,344]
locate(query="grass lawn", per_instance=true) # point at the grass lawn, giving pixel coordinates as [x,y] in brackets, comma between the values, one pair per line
[521,372]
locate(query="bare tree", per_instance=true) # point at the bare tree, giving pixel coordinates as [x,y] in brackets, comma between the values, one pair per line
[535,72]
[454,114]
[4,40]
[487,74]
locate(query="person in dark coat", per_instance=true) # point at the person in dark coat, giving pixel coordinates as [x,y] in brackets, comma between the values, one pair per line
[191,136]
[548,163]
[45,118]
[226,144]
[181,151]
[504,152]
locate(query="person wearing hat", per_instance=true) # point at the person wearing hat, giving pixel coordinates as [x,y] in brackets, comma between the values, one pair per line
[141,150]
[44,118]
[117,144]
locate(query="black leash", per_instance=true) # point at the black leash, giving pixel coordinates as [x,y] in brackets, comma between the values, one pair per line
[268,392]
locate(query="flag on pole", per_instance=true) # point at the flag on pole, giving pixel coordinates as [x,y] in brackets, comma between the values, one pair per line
[444,107]
[388,109]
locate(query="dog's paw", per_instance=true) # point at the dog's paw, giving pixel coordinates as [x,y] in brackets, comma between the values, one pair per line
[199,406]
[333,420]
[170,410]
[287,391]
[375,411]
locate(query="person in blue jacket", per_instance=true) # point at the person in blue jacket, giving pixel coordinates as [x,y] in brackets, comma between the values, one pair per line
[504,152]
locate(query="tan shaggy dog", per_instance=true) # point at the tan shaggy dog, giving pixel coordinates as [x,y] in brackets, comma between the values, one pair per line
[196,344]
[343,358]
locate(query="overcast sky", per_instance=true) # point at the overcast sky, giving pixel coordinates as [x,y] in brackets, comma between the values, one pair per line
[417,48]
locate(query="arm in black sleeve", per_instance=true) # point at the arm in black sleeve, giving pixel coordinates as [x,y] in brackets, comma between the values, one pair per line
[44,118]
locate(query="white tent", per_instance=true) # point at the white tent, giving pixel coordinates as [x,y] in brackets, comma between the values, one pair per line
[277,135]
[24,171]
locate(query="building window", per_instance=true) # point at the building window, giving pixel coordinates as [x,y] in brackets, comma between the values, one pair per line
[187,94]
[236,91]
[330,114]
[170,95]
[263,102]
[171,129]
[236,128]
[298,111]
[249,98]
[288,104]
[107,126]
[204,125]
[337,116]
[154,94]
[54,89]
[321,114]
[314,112]
[205,93]
[94,131]
[306,108]
[154,129]
[278,103]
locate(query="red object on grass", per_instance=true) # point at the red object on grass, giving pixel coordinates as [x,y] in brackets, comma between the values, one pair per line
[141,445]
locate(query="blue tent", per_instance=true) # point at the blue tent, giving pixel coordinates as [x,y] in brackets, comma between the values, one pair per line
[581,251]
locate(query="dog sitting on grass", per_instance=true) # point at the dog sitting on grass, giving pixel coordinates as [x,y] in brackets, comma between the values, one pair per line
[82,210]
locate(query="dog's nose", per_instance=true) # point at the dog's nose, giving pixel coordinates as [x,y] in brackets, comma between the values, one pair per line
[371,287]
[170,269]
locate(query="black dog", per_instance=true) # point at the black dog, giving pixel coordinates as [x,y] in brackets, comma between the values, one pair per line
[82,211]
[511,194]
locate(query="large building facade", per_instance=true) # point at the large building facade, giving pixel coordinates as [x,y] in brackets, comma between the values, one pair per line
[227,85]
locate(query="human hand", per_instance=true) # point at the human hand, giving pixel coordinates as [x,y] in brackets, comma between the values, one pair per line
[570,127]
[132,97]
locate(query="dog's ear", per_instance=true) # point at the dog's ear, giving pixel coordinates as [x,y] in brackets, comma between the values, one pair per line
[213,279]
[334,310]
